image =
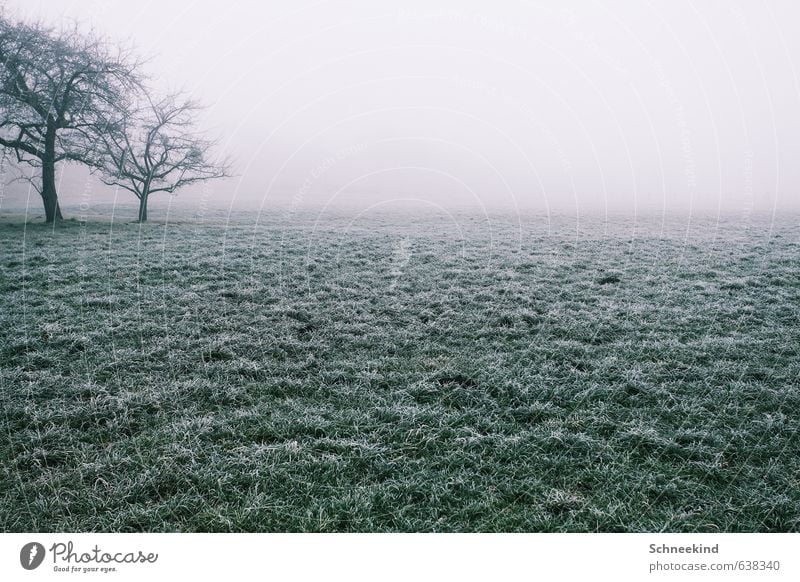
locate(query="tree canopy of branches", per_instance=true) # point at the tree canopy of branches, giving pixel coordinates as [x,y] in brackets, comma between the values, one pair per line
[156,148]
[57,87]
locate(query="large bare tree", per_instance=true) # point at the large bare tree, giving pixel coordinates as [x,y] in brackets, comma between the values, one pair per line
[56,88]
[157,148]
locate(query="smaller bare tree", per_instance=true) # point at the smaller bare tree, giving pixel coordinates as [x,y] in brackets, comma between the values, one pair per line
[157,148]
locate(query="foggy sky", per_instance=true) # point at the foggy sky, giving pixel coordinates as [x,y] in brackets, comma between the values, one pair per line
[603,105]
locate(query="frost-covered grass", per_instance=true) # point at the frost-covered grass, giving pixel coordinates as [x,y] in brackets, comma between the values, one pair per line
[401,372]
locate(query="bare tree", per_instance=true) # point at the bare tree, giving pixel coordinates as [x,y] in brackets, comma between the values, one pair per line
[56,88]
[157,148]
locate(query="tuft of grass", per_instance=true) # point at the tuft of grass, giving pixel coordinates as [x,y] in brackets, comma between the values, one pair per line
[610,278]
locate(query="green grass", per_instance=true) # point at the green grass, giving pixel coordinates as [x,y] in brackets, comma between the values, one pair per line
[401,373]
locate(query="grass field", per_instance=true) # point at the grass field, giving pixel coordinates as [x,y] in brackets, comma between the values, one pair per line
[401,372]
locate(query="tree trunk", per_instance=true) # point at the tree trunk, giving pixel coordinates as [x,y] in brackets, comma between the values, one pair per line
[52,210]
[143,207]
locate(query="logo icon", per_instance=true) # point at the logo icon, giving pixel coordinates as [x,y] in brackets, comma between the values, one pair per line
[31,555]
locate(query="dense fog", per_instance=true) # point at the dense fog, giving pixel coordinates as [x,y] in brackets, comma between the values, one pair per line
[632,106]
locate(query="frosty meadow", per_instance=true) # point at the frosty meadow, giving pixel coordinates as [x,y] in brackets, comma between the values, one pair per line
[443,372]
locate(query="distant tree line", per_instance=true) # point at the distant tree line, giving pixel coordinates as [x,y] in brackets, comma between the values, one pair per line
[67,95]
